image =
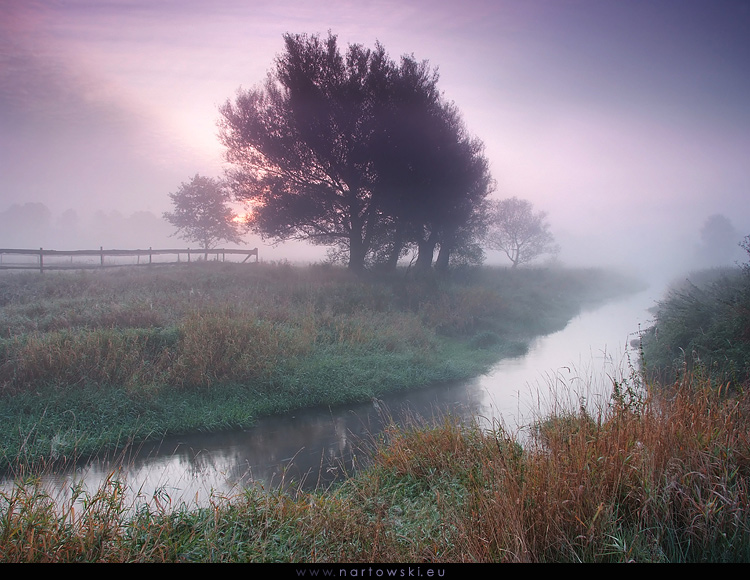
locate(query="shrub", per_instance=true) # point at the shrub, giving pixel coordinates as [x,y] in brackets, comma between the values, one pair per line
[702,326]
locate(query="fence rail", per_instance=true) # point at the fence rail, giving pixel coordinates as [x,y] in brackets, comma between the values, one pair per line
[50,259]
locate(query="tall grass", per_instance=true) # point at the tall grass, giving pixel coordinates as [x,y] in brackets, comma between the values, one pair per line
[702,326]
[91,358]
[659,473]
[658,478]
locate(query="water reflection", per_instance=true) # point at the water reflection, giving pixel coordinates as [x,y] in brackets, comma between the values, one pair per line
[303,450]
[570,367]
[312,448]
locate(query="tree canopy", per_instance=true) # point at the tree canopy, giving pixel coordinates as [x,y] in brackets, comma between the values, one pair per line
[356,152]
[201,213]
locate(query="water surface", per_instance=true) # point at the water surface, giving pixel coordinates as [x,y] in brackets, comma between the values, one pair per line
[312,448]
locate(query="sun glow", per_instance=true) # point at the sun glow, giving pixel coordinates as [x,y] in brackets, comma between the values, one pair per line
[243,214]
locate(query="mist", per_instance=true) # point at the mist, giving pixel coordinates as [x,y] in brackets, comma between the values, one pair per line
[626,122]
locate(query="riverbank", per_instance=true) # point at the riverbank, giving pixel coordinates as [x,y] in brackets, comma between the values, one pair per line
[659,478]
[653,475]
[91,361]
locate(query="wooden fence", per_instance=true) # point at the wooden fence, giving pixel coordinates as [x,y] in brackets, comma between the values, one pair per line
[101,258]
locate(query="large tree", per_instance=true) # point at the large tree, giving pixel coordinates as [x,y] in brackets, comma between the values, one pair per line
[354,151]
[202,214]
[300,145]
[522,233]
[432,175]
[462,222]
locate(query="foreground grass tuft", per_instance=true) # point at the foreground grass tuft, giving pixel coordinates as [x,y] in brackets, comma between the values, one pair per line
[660,479]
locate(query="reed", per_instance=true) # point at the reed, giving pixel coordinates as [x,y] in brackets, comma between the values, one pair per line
[702,327]
[660,478]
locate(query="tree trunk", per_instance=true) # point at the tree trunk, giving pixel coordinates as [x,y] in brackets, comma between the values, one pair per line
[357,253]
[443,257]
[359,239]
[398,245]
[426,250]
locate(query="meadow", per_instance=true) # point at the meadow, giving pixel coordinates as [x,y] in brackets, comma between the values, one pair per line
[91,361]
[658,474]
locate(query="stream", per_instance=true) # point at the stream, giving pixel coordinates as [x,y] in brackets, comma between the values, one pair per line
[313,448]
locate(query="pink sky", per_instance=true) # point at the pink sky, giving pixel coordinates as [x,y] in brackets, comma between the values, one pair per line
[626,121]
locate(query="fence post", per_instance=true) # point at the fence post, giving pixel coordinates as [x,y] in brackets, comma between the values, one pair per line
[101,256]
[41,260]
[149,255]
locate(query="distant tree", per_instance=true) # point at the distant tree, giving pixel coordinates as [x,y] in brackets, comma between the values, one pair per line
[519,231]
[719,242]
[68,229]
[69,220]
[109,228]
[144,225]
[27,224]
[201,213]
[745,246]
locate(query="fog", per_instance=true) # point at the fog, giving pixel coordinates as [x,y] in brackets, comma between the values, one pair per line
[627,122]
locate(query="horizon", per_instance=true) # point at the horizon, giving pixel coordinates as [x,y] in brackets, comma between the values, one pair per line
[626,123]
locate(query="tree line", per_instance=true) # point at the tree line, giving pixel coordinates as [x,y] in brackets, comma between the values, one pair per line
[361,153]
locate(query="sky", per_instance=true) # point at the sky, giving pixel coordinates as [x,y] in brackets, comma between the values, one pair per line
[627,121]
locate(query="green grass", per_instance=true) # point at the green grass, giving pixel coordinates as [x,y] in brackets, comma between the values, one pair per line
[702,326]
[90,360]
[663,478]
[659,473]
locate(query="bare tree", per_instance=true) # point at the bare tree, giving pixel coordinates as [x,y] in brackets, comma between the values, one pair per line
[519,231]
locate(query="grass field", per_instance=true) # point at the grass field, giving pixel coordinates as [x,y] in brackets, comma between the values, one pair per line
[90,360]
[658,474]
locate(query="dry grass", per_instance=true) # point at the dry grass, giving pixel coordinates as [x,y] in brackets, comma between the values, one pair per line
[660,479]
